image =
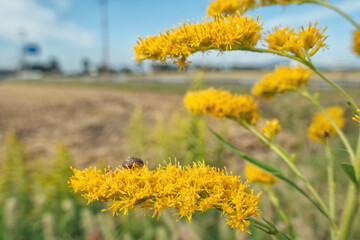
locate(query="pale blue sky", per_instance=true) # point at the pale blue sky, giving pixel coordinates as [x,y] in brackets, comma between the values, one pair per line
[70,29]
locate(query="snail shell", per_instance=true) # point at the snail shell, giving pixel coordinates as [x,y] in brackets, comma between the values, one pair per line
[133,162]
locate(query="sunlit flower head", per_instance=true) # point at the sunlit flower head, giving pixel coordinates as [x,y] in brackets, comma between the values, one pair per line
[220,33]
[357,117]
[284,78]
[222,104]
[257,175]
[303,43]
[321,129]
[226,7]
[271,128]
[188,189]
[356,42]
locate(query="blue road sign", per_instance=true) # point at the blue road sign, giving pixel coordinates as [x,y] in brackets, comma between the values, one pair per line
[32,48]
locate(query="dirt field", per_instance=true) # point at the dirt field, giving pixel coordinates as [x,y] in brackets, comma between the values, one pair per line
[89,121]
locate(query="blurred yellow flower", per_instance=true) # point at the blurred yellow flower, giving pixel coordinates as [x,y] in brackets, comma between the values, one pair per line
[218,7]
[222,104]
[357,117]
[221,33]
[284,78]
[356,42]
[304,43]
[271,128]
[257,175]
[320,128]
[188,189]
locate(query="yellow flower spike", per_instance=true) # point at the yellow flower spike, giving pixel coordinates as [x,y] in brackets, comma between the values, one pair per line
[357,117]
[304,43]
[284,78]
[356,42]
[311,38]
[321,129]
[257,175]
[280,38]
[222,104]
[220,33]
[188,189]
[271,128]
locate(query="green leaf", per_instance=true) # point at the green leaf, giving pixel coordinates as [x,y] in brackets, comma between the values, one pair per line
[269,223]
[269,228]
[262,229]
[349,170]
[282,235]
[269,168]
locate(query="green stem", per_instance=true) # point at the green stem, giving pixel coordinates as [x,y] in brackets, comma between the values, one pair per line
[292,166]
[325,4]
[264,226]
[352,201]
[308,64]
[339,89]
[332,7]
[341,134]
[351,207]
[331,184]
[357,160]
[262,50]
[275,201]
[269,168]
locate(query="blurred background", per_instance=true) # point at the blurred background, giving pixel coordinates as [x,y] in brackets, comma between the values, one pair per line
[75,37]
[70,94]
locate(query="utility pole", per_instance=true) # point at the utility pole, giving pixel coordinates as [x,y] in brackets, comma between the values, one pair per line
[22,53]
[104,35]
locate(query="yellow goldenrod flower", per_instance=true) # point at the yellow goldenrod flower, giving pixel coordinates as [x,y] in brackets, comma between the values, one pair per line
[271,128]
[218,7]
[303,43]
[222,104]
[357,117]
[257,175]
[320,128]
[188,189]
[213,33]
[284,78]
[226,7]
[356,42]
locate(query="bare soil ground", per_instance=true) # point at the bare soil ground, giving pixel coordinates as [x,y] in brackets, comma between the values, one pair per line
[90,121]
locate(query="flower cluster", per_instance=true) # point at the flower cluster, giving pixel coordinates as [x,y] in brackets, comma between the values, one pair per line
[304,43]
[188,189]
[222,104]
[321,129]
[257,175]
[357,117]
[221,33]
[284,78]
[228,7]
[356,42]
[271,128]
[218,7]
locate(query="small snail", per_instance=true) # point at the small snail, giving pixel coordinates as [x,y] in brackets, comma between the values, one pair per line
[133,162]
